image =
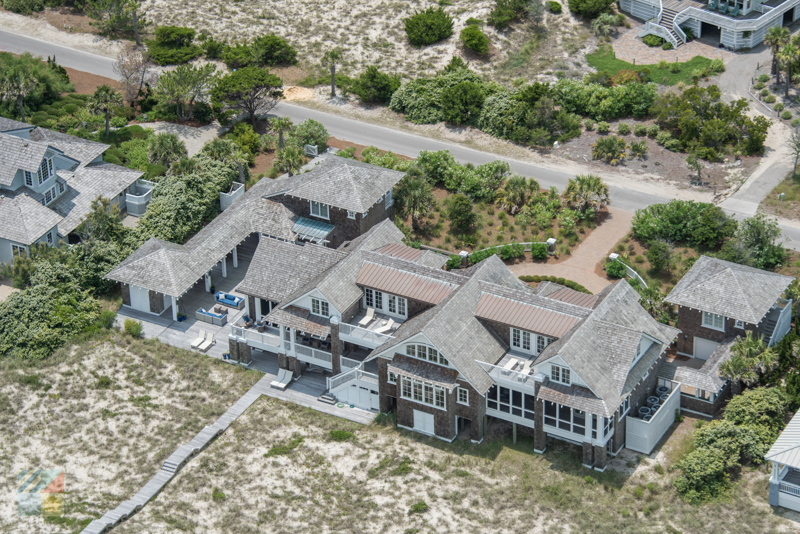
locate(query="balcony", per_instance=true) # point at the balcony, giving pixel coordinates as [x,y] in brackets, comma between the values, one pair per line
[268,340]
[362,336]
[138,196]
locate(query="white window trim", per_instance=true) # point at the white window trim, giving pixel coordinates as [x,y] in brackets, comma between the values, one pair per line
[19,249]
[381,303]
[319,215]
[351,214]
[561,369]
[625,407]
[321,303]
[711,326]
[422,401]
[389,199]
[739,324]
[511,407]
[458,396]
[392,378]
[439,356]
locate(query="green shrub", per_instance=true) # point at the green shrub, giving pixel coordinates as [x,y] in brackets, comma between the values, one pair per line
[589,8]
[24,7]
[759,86]
[786,115]
[554,7]
[283,449]
[213,49]
[375,86]
[340,435]
[795,123]
[474,22]
[738,443]
[173,46]
[133,327]
[310,132]
[717,66]
[762,409]
[217,495]
[611,149]
[696,223]
[118,122]
[770,99]
[238,56]
[778,107]
[474,39]
[764,92]
[273,51]
[615,269]
[603,127]
[462,103]
[639,130]
[589,124]
[427,27]
[418,508]
[703,476]
[539,251]
[103,382]
[454,262]
[623,128]
[666,46]
[653,131]
[653,40]
[763,78]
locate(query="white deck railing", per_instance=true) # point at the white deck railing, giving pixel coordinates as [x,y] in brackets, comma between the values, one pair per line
[354,374]
[359,333]
[734,25]
[500,373]
[348,363]
[791,489]
[315,356]
[263,338]
[784,322]
[136,201]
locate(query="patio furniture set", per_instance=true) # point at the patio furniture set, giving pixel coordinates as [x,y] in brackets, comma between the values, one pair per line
[382,325]
[219,315]
[204,341]
[724,7]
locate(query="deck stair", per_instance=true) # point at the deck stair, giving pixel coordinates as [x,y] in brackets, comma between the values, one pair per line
[667,17]
[327,398]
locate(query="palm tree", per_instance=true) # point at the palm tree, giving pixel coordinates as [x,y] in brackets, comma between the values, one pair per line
[290,159]
[15,86]
[586,191]
[749,356]
[776,37]
[738,369]
[103,101]
[516,192]
[281,125]
[415,196]
[165,149]
[329,60]
[787,56]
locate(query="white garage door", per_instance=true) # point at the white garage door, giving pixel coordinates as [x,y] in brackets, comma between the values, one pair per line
[703,348]
[140,299]
[423,422]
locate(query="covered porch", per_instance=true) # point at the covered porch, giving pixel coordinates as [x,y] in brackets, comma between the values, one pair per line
[784,455]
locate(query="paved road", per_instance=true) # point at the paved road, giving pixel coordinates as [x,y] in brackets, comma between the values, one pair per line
[369,134]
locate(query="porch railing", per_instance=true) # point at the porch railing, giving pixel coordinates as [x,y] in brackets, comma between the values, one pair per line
[265,338]
[500,373]
[310,355]
[348,363]
[354,374]
[784,322]
[727,23]
[791,489]
[364,334]
[136,201]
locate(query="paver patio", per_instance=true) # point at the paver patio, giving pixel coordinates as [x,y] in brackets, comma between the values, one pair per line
[630,48]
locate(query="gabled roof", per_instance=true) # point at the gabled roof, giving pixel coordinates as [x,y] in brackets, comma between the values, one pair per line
[280,268]
[18,153]
[300,319]
[79,149]
[406,278]
[455,330]
[8,125]
[84,186]
[729,289]
[346,183]
[601,348]
[786,449]
[24,220]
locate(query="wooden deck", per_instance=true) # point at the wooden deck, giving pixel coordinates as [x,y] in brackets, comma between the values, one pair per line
[792,477]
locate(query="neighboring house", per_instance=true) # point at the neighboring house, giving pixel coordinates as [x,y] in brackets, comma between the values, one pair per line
[736,24]
[48,181]
[334,203]
[718,300]
[784,455]
[447,350]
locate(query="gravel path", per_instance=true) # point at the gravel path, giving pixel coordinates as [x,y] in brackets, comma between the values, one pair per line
[194,138]
[580,267]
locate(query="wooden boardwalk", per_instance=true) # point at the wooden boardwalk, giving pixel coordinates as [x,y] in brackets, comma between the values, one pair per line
[303,392]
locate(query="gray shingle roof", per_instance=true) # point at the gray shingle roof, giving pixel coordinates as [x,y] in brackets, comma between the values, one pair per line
[84,186]
[7,125]
[279,268]
[601,348]
[707,377]
[79,149]
[346,183]
[157,265]
[24,220]
[453,328]
[302,320]
[729,289]
[18,153]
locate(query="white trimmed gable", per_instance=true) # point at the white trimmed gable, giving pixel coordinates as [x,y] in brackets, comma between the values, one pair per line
[546,368]
[304,301]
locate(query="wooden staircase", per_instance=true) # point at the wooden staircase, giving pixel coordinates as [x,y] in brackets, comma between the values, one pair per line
[667,16]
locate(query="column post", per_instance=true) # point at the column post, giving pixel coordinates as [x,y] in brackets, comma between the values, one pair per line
[225,267]
[235,257]
[207,277]
[174,308]
[258,308]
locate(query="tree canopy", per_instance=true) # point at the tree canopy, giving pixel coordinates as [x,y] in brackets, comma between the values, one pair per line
[252,90]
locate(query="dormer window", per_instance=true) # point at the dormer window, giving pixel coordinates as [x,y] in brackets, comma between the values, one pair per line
[712,320]
[424,352]
[318,209]
[560,374]
[320,307]
[528,342]
[28,179]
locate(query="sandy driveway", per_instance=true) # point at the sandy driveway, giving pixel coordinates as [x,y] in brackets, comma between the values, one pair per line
[580,267]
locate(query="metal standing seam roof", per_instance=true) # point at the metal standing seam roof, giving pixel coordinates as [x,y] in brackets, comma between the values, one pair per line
[729,289]
[405,284]
[570,296]
[312,229]
[524,316]
[400,251]
[786,449]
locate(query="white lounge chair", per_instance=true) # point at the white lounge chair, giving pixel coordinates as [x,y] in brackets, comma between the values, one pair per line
[205,345]
[368,317]
[201,337]
[385,328]
[282,380]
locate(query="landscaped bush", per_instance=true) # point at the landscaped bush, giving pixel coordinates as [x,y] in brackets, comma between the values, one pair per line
[763,78]
[684,221]
[778,107]
[764,92]
[759,86]
[603,127]
[375,86]
[605,103]
[539,251]
[273,51]
[762,409]
[770,99]
[666,46]
[615,269]
[589,124]
[717,66]
[611,149]
[786,115]
[427,27]
[653,130]
[462,103]
[554,7]
[795,123]
[173,46]
[454,262]
[474,22]
[24,7]
[639,130]
[589,8]
[474,39]
[653,40]
[420,100]
[623,128]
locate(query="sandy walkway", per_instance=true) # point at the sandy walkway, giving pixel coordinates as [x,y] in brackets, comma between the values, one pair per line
[194,138]
[580,267]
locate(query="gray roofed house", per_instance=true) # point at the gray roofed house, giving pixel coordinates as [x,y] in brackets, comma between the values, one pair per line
[19,154]
[24,220]
[784,455]
[77,148]
[729,289]
[279,268]
[346,183]
[158,266]
[8,125]
[85,185]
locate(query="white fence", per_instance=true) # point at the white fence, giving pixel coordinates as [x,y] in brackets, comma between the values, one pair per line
[314,356]
[362,336]
[335,382]
[642,436]
[629,270]
[784,322]
[348,363]
[260,340]
[227,199]
[138,196]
